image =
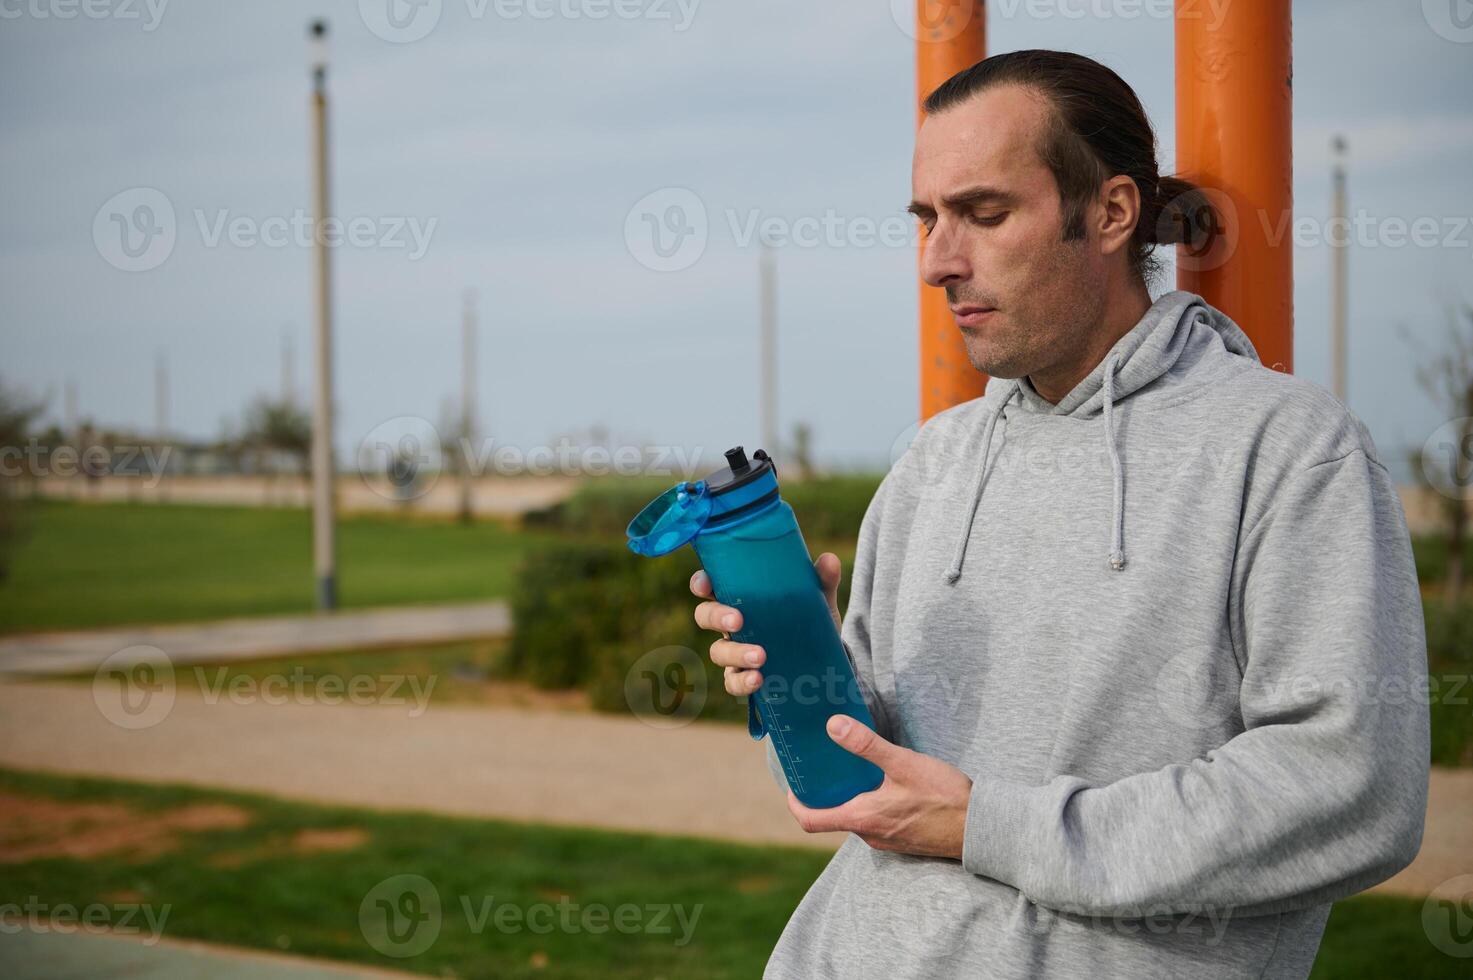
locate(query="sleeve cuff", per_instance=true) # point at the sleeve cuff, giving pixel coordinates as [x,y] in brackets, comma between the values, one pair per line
[996,842]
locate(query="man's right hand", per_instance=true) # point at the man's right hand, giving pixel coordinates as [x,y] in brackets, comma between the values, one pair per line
[742,660]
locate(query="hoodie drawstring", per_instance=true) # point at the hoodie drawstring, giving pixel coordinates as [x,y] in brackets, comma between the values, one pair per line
[955,571]
[1117,514]
[1117,507]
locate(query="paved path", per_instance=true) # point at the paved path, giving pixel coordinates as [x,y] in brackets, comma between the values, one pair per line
[491,495]
[544,766]
[548,767]
[30,955]
[240,639]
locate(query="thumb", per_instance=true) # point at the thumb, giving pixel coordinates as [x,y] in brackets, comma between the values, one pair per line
[860,739]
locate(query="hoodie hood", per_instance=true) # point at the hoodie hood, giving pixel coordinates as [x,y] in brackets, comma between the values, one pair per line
[1178,330]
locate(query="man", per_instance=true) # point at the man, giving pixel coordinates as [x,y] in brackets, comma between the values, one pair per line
[1140,627]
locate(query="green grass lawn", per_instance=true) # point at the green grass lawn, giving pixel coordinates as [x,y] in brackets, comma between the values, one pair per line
[257,885]
[451,672]
[461,673]
[1382,936]
[84,565]
[252,886]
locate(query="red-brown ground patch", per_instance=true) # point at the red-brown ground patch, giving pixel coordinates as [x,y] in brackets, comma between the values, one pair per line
[33,828]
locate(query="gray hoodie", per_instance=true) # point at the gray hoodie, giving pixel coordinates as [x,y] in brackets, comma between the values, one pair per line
[1171,629]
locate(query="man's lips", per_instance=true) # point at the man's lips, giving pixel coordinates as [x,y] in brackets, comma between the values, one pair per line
[972,316]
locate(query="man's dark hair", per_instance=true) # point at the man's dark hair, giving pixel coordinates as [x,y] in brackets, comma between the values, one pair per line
[1097,129]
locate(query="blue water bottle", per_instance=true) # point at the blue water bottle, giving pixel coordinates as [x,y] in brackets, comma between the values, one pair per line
[749,542]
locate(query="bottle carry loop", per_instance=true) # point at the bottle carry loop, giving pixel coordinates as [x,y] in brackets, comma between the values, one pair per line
[755,727]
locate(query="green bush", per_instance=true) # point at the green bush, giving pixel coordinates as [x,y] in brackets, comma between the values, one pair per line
[586,609]
[1449,632]
[831,508]
[585,612]
[1431,553]
[568,597]
[627,677]
[602,506]
[1450,687]
[1451,709]
[828,508]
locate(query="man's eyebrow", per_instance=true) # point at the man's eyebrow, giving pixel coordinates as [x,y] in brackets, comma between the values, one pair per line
[964,198]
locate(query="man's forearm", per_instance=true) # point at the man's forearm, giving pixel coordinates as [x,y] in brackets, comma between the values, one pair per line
[1269,824]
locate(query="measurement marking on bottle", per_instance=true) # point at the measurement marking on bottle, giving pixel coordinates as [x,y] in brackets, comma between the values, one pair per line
[778,731]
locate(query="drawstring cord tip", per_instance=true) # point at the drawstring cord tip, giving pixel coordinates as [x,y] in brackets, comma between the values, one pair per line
[1117,530]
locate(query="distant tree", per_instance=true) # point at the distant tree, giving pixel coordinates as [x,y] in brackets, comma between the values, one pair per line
[1446,375]
[17,412]
[279,427]
[802,451]
[50,437]
[456,445]
[228,448]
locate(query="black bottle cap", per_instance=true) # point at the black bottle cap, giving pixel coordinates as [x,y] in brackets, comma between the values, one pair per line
[739,471]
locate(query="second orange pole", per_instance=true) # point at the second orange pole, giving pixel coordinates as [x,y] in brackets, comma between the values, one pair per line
[1234,115]
[950,36]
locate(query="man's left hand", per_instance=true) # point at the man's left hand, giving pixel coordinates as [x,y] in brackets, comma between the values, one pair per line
[920,808]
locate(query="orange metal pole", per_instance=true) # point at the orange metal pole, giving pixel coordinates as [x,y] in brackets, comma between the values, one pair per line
[950,35]
[1234,108]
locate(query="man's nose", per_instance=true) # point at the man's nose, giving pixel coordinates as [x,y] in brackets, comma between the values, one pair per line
[943,261]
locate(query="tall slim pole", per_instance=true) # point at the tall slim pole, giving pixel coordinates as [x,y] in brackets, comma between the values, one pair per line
[69,408]
[161,397]
[324,559]
[949,37]
[1234,114]
[1339,278]
[467,403]
[71,423]
[160,419]
[767,276]
[288,368]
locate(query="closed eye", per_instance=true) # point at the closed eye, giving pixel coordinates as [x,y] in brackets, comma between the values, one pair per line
[988,220]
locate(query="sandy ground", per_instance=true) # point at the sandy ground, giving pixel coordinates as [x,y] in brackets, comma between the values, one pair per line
[544,766]
[1447,842]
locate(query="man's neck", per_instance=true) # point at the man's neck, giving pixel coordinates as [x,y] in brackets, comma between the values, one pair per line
[1122,311]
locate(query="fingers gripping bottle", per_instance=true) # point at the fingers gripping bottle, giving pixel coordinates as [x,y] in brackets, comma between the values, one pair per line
[749,543]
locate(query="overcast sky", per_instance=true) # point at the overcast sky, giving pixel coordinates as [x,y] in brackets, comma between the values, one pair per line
[514,148]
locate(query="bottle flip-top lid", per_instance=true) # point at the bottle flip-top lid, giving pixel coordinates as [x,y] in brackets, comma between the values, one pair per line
[676,516]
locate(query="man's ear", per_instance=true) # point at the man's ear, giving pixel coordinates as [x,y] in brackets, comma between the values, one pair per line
[1118,213]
